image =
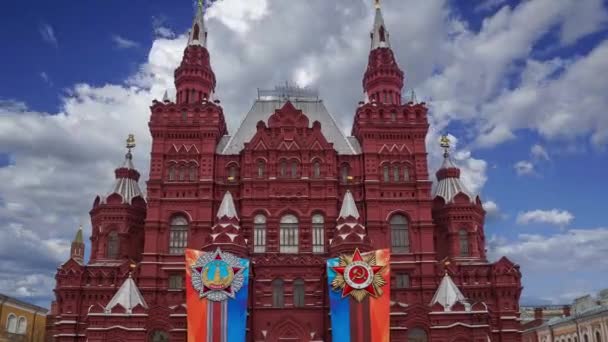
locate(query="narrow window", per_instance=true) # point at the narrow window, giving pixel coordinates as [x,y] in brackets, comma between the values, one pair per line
[298,293]
[171,173]
[345,171]
[159,336]
[113,245]
[598,338]
[399,234]
[261,168]
[232,172]
[396,173]
[283,168]
[11,324]
[176,282]
[288,234]
[402,281]
[193,173]
[22,326]
[464,243]
[178,235]
[318,234]
[382,34]
[316,169]
[393,116]
[278,300]
[385,171]
[196,32]
[294,169]
[259,234]
[182,173]
[406,174]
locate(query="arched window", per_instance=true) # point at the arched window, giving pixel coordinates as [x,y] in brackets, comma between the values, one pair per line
[345,172]
[159,336]
[463,238]
[283,168]
[259,234]
[382,34]
[113,245]
[417,335]
[298,293]
[598,338]
[21,326]
[400,241]
[316,169]
[278,299]
[178,235]
[586,338]
[288,234]
[396,173]
[386,173]
[172,172]
[193,173]
[232,172]
[182,173]
[261,168]
[11,324]
[406,174]
[318,234]
[294,169]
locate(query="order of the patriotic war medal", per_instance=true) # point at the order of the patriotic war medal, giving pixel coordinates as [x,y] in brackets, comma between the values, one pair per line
[358,276]
[217,276]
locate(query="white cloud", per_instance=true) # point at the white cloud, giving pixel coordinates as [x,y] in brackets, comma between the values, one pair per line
[524,167]
[124,43]
[492,210]
[48,34]
[46,78]
[554,217]
[160,29]
[539,153]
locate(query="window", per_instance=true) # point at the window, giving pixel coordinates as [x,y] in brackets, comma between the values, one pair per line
[232,172]
[402,280]
[294,169]
[316,169]
[345,173]
[11,324]
[598,338]
[393,116]
[318,234]
[396,173]
[193,173]
[278,300]
[21,326]
[283,168]
[288,234]
[298,293]
[113,245]
[463,238]
[586,338]
[178,235]
[261,168]
[159,336]
[176,282]
[385,171]
[399,234]
[259,234]
[417,335]
[172,173]
[182,173]
[406,174]
[196,32]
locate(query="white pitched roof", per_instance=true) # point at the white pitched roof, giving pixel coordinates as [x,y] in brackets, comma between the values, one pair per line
[447,188]
[227,207]
[349,208]
[126,187]
[128,296]
[447,294]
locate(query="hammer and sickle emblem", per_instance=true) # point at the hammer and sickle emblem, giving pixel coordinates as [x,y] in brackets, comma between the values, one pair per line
[358,274]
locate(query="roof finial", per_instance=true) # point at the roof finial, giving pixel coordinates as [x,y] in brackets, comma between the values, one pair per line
[413,97]
[130,145]
[377,4]
[444,142]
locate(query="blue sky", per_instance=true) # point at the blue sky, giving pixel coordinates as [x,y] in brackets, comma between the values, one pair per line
[519,85]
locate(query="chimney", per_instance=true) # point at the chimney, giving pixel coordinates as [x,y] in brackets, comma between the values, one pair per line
[566,310]
[538,313]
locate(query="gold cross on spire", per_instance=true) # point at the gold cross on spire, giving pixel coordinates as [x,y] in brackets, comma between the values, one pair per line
[444,142]
[130,142]
[201,5]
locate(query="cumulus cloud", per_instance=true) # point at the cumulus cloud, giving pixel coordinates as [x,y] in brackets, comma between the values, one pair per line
[48,34]
[492,211]
[539,153]
[160,28]
[524,167]
[553,217]
[124,43]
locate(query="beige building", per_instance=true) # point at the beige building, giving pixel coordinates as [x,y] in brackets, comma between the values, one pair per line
[587,323]
[21,321]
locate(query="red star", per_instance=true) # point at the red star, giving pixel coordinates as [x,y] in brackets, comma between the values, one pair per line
[370,289]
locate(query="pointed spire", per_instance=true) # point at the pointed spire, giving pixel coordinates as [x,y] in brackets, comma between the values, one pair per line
[128,297]
[78,238]
[227,208]
[447,294]
[166,97]
[198,33]
[349,208]
[77,247]
[413,98]
[379,34]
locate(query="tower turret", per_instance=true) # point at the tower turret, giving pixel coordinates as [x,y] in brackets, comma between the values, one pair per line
[77,247]
[226,233]
[350,232]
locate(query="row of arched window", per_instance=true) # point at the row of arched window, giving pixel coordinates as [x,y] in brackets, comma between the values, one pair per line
[598,338]
[16,325]
[395,173]
[183,173]
[288,169]
[278,293]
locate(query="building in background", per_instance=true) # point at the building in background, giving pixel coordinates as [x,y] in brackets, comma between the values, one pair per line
[586,320]
[288,169]
[21,321]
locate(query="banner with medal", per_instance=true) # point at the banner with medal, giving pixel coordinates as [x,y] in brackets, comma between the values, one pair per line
[216,293]
[359,296]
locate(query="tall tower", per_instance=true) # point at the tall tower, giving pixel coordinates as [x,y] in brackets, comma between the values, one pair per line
[77,247]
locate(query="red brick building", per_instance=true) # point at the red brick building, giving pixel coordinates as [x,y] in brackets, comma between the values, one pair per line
[287,171]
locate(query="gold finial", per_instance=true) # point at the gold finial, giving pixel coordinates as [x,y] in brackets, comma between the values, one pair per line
[130,142]
[444,142]
[377,4]
[201,5]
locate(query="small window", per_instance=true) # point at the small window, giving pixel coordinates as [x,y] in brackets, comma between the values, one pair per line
[283,168]
[196,32]
[396,173]
[402,280]
[316,169]
[393,116]
[259,234]
[386,173]
[182,173]
[298,293]
[11,324]
[345,173]
[464,243]
[22,326]
[294,169]
[172,173]
[193,173]
[178,235]
[399,234]
[159,336]
[261,168]
[318,234]
[288,234]
[113,245]
[598,338]
[176,282]
[278,300]
[232,172]
[406,174]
